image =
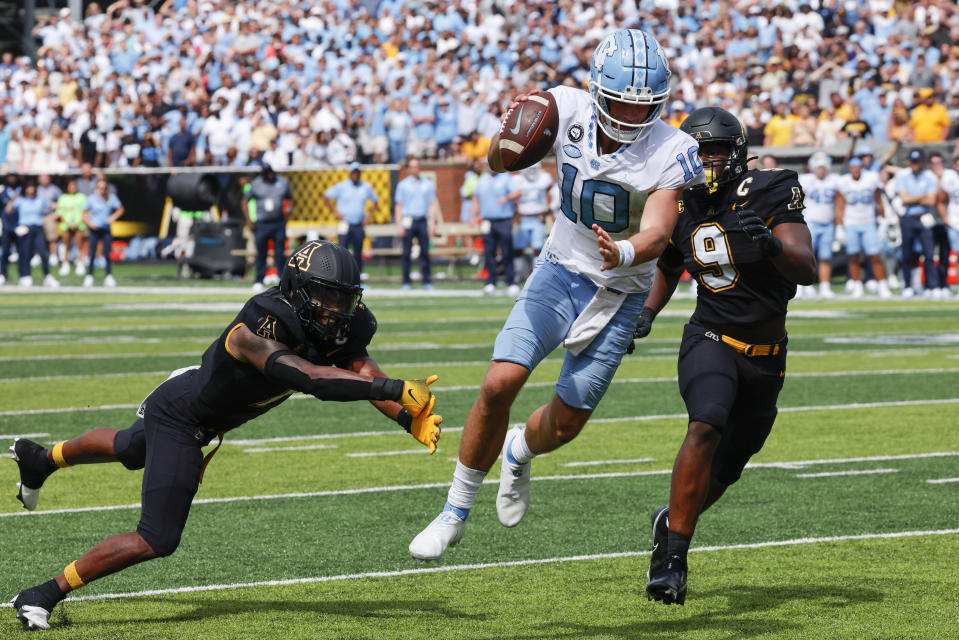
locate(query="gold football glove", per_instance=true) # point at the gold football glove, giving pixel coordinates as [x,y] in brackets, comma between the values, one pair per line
[416,395]
[426,426]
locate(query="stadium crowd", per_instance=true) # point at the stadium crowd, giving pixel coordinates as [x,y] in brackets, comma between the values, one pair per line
[314,83]
[311,84]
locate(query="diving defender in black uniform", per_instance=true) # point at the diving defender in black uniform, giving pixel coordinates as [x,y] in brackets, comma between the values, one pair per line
[742,237]
[308,335]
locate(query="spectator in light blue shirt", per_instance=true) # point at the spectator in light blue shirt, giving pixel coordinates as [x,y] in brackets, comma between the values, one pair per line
[424,127]
[494,206]
[415,204]
[30,208]
[103,208]
[399,125]
[348,200]
[918,188]
[4,140]
[446,124]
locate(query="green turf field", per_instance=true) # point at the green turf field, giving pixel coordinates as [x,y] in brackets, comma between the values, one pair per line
[845,526]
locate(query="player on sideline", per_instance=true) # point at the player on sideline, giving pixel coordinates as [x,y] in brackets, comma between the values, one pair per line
[742,235]
[819,186]
[614,154]
[308,335]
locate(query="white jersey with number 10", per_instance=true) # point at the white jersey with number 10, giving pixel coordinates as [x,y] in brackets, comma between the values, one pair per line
[610,190]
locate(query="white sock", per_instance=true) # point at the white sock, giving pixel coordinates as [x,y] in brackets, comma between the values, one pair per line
[518,451]
[466,484]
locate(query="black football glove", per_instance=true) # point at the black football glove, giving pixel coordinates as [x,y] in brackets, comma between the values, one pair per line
[645,323]
[759,233]
[643,326]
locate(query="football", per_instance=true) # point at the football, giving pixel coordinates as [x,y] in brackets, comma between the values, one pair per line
[528,131]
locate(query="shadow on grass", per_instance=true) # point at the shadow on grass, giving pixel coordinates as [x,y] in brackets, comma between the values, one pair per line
[360,609]
[734,620]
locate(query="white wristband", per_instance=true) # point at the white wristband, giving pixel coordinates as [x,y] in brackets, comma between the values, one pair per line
[626,252]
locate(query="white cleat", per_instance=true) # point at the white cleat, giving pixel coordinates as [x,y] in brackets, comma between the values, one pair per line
[64,269]
[445,531]
[489,290]
[25,281]
[88,281]
[109,281]
[50,282]
[512,500]
[513,290]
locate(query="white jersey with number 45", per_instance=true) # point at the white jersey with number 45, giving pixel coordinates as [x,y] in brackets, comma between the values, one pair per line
[610,190]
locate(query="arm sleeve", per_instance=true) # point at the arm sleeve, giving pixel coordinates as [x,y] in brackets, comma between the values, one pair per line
[278,368]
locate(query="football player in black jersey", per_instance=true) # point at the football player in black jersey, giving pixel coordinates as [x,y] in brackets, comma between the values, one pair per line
[742,237]
[308,335]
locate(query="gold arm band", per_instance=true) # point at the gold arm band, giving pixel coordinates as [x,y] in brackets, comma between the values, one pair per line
[57,453]
[73,578]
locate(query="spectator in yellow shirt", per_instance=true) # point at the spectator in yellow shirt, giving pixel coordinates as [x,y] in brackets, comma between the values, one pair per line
[929,120]
[476,146]
[778,131]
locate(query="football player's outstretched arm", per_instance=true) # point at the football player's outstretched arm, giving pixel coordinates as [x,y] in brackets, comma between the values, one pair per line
[275,360]
[659,218]
[424,427]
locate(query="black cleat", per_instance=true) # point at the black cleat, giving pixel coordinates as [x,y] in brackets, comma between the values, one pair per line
[34,605]
[657,560]
[669,585]
[35,468]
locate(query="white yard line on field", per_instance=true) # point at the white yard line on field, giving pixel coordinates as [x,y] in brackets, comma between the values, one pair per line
[371,454]
[664,416]
[859,472]
[309,447]
[437,485]
[942,480]
[101,356]
[512,563]
[594,463]
[804,374]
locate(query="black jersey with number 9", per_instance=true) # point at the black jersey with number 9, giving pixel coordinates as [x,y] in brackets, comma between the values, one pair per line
[737,284]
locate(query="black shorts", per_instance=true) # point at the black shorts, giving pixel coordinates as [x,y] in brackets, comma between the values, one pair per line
[732,392]
[172,457]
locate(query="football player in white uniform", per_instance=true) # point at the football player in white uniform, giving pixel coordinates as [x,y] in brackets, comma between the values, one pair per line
[621,170]
[820,213]
[533,185]
[858,203]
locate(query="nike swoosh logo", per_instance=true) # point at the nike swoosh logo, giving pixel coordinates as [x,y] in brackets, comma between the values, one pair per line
[519,118]
[410,392]
[741,206]
[329,353]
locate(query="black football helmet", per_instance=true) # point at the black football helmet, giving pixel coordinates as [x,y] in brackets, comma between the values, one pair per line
[322,282]
[712,124]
